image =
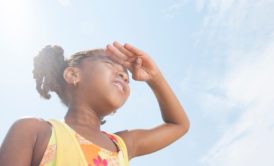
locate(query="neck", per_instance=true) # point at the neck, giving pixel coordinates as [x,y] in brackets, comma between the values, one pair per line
[83,117]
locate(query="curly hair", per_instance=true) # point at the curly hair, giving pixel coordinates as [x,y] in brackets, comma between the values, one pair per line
[49,66]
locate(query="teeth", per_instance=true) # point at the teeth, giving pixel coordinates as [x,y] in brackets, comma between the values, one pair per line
[119,85]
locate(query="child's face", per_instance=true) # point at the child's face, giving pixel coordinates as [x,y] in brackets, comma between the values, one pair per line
[105,83]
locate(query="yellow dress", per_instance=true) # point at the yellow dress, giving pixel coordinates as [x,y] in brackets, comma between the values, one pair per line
[68,148]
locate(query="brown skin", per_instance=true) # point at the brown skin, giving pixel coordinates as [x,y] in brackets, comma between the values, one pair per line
[95,97]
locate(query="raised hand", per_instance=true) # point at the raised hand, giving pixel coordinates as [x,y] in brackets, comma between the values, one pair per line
[136,61]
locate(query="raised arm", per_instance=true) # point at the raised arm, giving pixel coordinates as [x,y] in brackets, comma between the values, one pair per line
[176,124]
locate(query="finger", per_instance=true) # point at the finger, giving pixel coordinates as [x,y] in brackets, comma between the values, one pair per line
[116,52]
[131,56]
[136,69]
[133,49]
[122,49]
[113,55]
[139,62]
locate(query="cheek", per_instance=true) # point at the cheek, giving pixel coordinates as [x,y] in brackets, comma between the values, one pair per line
[94,71]
[98,78]
[128,91]
[103,81]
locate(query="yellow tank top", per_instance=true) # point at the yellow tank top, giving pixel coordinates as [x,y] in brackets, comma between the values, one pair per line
[67,147]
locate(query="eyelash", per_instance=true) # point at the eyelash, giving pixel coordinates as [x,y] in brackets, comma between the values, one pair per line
[112,65]
[108,63]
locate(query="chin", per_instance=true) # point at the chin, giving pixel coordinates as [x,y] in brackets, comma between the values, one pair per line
[117,102]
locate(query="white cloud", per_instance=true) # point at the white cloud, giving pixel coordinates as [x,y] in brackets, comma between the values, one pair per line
[173,9]
[253,80]
[249,141]
[243,30]
[243,24]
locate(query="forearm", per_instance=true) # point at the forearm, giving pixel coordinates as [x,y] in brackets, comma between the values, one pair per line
[171,109]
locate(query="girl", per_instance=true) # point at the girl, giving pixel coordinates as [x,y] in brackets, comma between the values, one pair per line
[92,84]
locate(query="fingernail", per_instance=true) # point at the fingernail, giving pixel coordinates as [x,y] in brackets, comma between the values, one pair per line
[109,46]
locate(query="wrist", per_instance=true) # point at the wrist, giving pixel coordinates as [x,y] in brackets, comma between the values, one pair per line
[156,79]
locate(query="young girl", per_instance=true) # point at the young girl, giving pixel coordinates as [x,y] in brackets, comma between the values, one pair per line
[92,84]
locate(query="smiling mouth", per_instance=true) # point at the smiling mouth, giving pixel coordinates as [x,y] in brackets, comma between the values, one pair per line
[118,84]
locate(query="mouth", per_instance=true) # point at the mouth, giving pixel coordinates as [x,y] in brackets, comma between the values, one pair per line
[119,84]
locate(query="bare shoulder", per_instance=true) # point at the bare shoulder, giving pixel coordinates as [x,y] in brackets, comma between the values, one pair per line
[22,139]
[127,138]
[124,135]
[30,129]
[30,120]
[30,125]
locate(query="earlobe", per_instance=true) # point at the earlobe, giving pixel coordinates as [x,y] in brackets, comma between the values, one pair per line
[71,75]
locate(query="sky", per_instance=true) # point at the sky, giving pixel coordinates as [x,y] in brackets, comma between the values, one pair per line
[217,56]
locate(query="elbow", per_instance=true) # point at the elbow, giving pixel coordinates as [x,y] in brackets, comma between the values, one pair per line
[184,128]
[186,125]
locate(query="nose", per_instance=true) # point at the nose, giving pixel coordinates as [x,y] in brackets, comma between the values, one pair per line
[123,75]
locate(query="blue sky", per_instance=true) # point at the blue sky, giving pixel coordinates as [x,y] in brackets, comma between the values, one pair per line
[217,56]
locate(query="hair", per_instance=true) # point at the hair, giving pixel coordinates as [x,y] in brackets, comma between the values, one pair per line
[49,66]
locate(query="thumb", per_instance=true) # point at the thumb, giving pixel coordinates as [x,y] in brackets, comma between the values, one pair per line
[138,62]
[136,68]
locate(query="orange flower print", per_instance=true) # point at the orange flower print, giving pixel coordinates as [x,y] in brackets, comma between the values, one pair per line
[100,162]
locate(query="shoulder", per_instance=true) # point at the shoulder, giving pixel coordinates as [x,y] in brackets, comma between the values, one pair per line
[29,129]
[22,139]
[127,139]
[30,120]
[30,125]
[40,130]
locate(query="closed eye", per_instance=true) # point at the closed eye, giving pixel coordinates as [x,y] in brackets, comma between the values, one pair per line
[108,62]
[112,65]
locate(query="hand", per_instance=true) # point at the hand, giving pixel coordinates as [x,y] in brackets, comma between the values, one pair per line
[136,61]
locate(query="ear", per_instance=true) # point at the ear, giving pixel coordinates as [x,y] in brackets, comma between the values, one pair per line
[70,74]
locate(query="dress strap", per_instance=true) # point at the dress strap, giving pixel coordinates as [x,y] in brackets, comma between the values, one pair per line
[68,152]
[123,156]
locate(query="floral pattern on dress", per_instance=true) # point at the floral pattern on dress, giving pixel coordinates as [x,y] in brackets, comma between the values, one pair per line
[100,162]
[94,154]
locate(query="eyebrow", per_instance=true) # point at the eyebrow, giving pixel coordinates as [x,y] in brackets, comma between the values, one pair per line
[104,57]
[108,58]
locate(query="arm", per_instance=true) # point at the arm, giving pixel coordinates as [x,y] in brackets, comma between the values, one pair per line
[176,124]
[18,144]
